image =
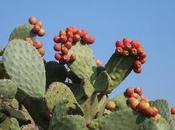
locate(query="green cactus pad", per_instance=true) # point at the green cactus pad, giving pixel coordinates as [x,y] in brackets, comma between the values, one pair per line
[121,102]
[101,106]
[102,82]
[9,124]
[118,68]
[5,125]
[62,121]
[151,124]
[87,87]
[163,107]
[24,65]
[90,108]
[84,66]
[22,32]
[71,122]
[8,89]
[57,92]
[121,120]
[171,121]
[14,124]
[100,69]
[55,72]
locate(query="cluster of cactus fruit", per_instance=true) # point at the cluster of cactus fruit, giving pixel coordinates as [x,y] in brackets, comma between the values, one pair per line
[64,41]
[71,93]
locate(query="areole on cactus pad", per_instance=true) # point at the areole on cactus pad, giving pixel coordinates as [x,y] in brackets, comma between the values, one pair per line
[71,93]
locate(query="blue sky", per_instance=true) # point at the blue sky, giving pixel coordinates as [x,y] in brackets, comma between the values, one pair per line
[152,22]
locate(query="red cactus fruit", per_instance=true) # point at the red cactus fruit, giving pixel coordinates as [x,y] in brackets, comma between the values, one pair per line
[119,43]
[32,20]
[63,38]
[39,23]
[76,38]
[64,50]
[72,29]
[83,33]
[129,91]
[144,104]
[127,46]
[138,90]
[41,51]
[70,39]
[135,95]
[140,50]
[173,110]
[135,44]
[143,60]
[151,111]
[58,56]
[68,45]
[69,34]
[36,29]
[66,58]
[119,50]
[133,102]
[137,70]
[37,44]
[57,47]
[41,32]
[137,64]
[57,39]
[126,40]
[142,55]
[133,51]
[90,40]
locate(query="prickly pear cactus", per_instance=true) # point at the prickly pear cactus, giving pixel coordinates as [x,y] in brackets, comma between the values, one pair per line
[71,93]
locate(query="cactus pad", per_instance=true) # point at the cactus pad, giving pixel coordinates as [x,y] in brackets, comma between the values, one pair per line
[8,89]
[163,107]
[150,124]
[102,82]
[118,68]
[9,124]
[24,65]
[84,66]
[57,92]
[22,32]
[121,120]
[61,120]
[71,122]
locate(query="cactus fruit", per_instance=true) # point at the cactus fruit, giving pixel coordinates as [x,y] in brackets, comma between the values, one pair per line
[173,110]
[71,93]
[110,105]
[37,26]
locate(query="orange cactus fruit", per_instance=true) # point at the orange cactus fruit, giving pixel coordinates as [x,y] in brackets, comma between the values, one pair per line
[110,105]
